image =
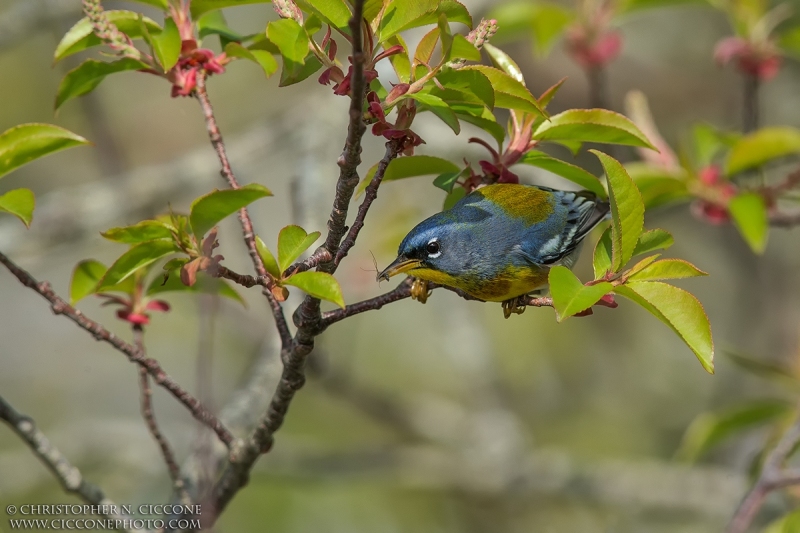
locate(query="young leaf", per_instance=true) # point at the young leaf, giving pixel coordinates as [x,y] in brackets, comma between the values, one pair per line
[296,72]
[654,239]
[452,199]
[290,38]
[88,75]
[445,36]
[452,9]
[410,167]
[204,283]
[601,261]
[447,180]
[146,230]
[81,36]
[591,125]
[214,23]
[438,107]
[504,62]
[749,213]
[26,142]
[400,15]
[627,210]
[167,44]
[762,146]
[260,57]
[269,260]
[400,62]
[85,278]
[426,46]
[566,170]
[570,296]
[200,7]
[508,92]
[679,310]
[208,210]
[140,255]
[667,269]
[709,429]
[20,203]
[319,285]
[333,12]
[292,242]
[461,48]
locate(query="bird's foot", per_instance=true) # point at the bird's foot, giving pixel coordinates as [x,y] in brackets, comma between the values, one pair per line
[514,306]
[420,291]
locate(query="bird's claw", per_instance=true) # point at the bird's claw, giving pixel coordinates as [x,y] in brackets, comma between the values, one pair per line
[420,291]
[514,306]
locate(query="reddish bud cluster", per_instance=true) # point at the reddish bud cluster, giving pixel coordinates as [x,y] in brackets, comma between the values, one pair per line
[206,262]
[592,50]
[760,60]
[193,59]
[134,311]
[714,212]
[401,128]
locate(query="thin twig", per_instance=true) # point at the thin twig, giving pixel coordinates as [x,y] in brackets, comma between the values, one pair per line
[321,255]
[244,280]
[393,149]
[244,217]
[750,104]
[70,477]
[100,333]
[598,86]
[150,419]
[772,476]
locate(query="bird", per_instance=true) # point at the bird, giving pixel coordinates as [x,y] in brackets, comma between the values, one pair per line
[499,242]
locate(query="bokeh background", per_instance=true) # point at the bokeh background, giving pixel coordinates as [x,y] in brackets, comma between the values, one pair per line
[435,418]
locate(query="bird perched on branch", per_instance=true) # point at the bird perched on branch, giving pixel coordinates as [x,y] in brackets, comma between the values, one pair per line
[498,243]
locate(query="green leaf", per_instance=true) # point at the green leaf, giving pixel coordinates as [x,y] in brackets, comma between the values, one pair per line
[504,62]
[749,213]
[508,92]
[200,7]
[445,36]
[269,260]
[146,230]
[761,147]
[627,210]
[292,242]
[204,284]
[709,429]
[319,285]
[453,10]
[400,62]
[290,38]
[447,180]
[566,170]
[765,369]
[88,75]
[667,269]
[208,210]
[400,15]
[175,263]
[468,86]
[214,23]
[570,296]
[139,256]
[679,310]
[26,142]
[438,107]
[591,125]
[601,260]
[789,40]
[463,49]
[20,203]
[486,122]
[81,36]
[410,167]
[709,142]
[296,72]
[545,21]
[333,12]
[657,184]
[160,4]
[167,44]
[425,47]
[260,57]
[455,195]
[85,277]
[788,523]
[654,239]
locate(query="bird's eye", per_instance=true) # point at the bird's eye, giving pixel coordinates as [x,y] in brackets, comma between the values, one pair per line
[433,248]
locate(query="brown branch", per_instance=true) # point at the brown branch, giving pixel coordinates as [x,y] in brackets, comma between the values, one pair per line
[244,217]
[393,149]
[70,477]
[307,317]
[320,256]
[61,307]
[150,419]
[244,280]
[773,476]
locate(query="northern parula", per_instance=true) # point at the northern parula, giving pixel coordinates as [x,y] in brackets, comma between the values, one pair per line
[499,242]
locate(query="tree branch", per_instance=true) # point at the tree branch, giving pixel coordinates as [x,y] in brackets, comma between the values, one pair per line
[61,307]
[244,217]
[70,477]
[150,419]
[393,149]
[773,476]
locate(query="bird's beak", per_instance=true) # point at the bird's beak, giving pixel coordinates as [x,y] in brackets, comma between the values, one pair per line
[398,266]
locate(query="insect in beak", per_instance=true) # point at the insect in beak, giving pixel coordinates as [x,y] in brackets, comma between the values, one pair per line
[398,266]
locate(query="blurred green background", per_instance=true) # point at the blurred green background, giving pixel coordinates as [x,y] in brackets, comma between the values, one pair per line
[435,418]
